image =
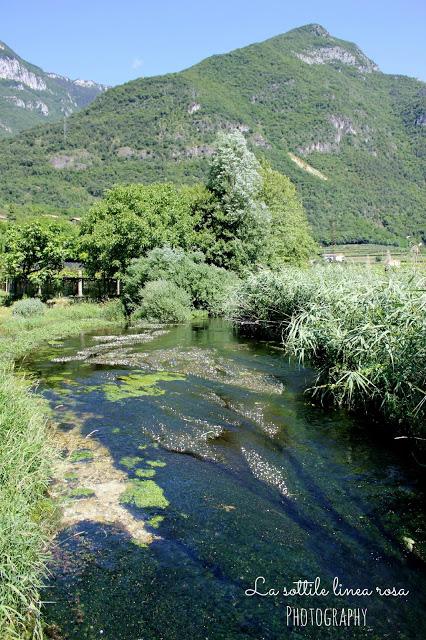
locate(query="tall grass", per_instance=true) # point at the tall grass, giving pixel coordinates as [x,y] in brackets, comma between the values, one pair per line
[364,330]
[26,457]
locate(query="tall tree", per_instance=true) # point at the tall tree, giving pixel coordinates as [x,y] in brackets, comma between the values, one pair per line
[290,238]
[234,223]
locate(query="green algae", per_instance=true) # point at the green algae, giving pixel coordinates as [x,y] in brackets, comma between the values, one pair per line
[60,378]
[142,447]
[145,473]
[81,455]
[144,493]
[155,521]
[136,385]
[130,461]
[156,463]
[81,492]
[116,430]
[71,476]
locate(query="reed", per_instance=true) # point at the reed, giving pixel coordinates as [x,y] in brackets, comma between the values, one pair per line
[364,331]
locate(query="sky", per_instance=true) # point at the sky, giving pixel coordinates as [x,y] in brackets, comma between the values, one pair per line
[114,41]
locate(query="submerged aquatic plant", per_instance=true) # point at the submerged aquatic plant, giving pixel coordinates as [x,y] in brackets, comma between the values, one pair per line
[144,494]
[145,473]
[137,384]
[82,455]
[81,492]
[156,463]
[130,461]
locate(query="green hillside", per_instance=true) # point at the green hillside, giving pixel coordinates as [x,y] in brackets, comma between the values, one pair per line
[349,136]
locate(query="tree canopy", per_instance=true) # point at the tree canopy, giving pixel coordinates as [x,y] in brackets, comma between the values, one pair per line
[235,225]
[36,252]
[290,237]
[133,219]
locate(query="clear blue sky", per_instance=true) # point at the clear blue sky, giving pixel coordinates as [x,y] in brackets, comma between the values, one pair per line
[113,41]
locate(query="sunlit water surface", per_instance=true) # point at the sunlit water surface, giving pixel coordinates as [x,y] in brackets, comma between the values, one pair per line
[256,481]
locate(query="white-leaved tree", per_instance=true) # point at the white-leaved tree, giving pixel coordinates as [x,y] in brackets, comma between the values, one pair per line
[241,222]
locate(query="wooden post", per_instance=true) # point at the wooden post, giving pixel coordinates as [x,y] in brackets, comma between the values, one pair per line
[80,284]
[118,287]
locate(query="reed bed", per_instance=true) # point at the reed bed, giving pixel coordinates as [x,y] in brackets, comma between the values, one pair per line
[364,331]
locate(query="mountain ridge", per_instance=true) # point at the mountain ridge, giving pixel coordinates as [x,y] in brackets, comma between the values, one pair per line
[349,136]
[29,95]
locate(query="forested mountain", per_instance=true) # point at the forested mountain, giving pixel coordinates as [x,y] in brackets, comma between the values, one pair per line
[29,95]
[350,137]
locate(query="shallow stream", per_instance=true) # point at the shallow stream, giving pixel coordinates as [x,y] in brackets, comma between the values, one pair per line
[194,463]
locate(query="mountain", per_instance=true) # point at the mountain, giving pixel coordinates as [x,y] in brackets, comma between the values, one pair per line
[350,137]
[29,95]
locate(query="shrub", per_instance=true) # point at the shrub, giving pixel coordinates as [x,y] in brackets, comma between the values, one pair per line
[114,310]
[163,301]
[4,299]
[28,307]
[206,284]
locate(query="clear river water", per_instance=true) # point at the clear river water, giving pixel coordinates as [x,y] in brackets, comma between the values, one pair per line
[194,463]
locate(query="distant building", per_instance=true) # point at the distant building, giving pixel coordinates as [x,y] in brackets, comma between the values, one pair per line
[76,220]
[333,257]
[3,216]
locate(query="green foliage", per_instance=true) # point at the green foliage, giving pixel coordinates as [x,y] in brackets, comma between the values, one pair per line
[4,299]
[290,236]
[114,311]
[233,229]
[365,331]
[25,514]
[133,219]
[28,307]
[163,301]
[145,131]
[35,252]
[207,285]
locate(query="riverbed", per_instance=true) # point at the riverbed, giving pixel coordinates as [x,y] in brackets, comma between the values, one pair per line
[193,462]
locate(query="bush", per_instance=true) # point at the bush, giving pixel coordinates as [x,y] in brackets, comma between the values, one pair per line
[114,310]
[28,307]
[163,301]
[207,285]
[4,299]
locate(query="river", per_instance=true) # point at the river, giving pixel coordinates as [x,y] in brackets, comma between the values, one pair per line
[192,462]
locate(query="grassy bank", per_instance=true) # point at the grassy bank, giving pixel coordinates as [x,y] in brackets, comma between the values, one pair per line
[26,455]
[363,329]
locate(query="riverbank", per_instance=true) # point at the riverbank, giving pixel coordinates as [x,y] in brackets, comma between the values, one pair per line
[27,515]
[363,329]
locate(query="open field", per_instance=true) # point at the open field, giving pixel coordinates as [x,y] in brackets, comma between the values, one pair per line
[365,253]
